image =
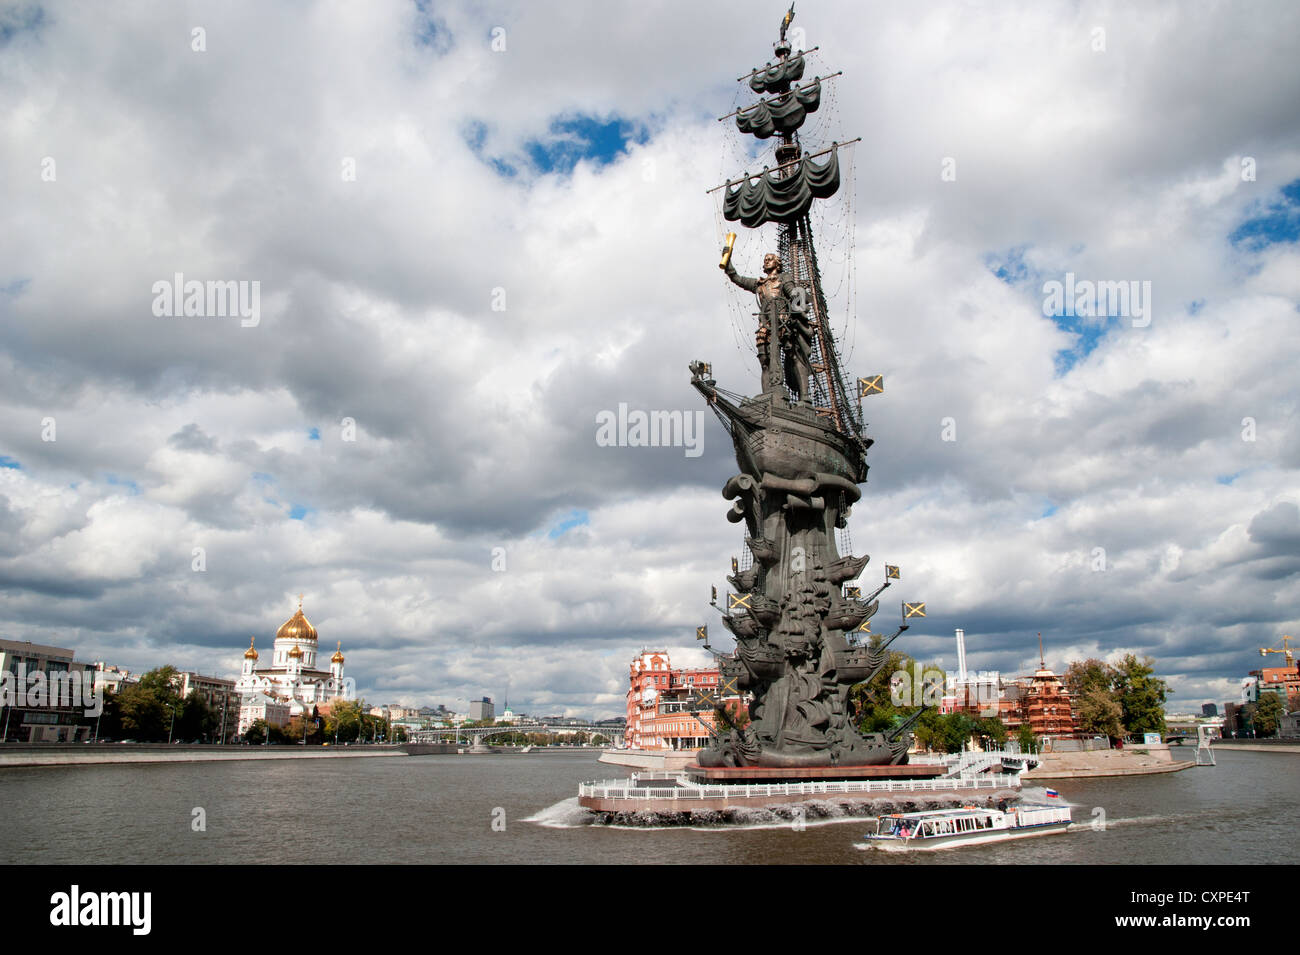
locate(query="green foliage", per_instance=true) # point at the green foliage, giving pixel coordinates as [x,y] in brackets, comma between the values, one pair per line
[1115,700]
[950,732]
[927,731]
[195,720]
[873,702]
[144,709]
[256,733]
[1025,737]
[1099,713]
[1141,695]
[1083,676]
[955,731]
[343,721]
[991,732]
[1268,714]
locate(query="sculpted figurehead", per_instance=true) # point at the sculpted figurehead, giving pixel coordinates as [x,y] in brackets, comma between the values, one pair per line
[771,263]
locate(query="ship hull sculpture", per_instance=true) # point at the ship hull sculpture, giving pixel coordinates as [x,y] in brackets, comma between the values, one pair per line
[801,456]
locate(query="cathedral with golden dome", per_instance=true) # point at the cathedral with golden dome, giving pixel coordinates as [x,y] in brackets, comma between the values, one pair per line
[292,684]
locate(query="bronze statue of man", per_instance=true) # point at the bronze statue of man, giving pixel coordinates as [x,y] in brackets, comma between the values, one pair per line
[781,305]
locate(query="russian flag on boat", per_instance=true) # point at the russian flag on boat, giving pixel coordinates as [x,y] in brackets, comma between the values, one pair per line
[1052,793]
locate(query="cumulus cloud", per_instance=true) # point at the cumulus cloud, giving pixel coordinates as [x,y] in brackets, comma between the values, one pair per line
[476,227]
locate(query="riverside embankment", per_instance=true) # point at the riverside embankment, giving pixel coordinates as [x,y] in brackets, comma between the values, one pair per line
[1139,761]
[13,755]
[89,754]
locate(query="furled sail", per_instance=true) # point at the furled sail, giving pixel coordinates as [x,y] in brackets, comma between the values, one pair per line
[776,78]
[770,198]
[780,114]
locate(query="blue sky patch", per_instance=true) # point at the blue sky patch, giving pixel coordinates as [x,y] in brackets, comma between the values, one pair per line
[127,483]
[575,518]
[313,434]
[299,511]
[573,139]
[1088,332]
[1271,224]
[20,19]
[8,462]
[1009,266]
[475,136]
[431,32]
[568,141]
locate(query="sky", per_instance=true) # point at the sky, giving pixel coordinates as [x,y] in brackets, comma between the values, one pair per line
[474,228]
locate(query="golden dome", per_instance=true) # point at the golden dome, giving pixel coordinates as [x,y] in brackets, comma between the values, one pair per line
[296,652]
[338,654]
[296,627]
[250,653]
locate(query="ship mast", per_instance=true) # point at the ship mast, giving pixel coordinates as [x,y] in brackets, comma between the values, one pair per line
[790,187]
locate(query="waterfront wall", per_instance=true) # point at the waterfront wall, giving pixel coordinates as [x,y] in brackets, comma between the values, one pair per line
[667,760]
[1260,745]
[73,754]
[1138,761]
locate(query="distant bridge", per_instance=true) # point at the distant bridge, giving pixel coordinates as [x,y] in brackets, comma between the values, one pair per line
[482,733]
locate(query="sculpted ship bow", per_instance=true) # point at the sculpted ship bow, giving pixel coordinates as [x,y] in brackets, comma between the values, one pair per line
[801,454]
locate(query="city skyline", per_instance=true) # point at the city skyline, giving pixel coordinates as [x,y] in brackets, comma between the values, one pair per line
[457,281]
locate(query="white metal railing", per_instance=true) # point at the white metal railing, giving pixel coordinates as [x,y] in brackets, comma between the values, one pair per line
[628,789]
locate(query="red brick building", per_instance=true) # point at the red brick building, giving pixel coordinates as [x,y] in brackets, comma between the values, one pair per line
[1284,681]
[1042,701]
[657,703]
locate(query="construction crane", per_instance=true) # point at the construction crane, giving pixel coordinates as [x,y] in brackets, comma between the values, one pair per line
[1285,650]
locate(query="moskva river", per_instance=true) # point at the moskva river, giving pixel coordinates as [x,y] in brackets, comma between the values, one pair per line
[523,808]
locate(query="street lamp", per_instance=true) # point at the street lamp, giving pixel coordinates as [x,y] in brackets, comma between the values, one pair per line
[171,728]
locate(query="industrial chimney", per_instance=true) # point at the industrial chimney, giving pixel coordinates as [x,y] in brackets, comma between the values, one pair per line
[961,656]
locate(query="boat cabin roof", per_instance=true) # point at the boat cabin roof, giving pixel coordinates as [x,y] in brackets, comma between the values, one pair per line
[961,813]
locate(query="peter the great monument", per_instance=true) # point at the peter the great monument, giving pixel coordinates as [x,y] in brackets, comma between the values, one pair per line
[801,454]
[801,626]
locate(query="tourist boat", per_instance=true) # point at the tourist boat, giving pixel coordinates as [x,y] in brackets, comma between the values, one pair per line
[968,826]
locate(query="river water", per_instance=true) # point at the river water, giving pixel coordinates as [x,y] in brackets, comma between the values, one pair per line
[443,808]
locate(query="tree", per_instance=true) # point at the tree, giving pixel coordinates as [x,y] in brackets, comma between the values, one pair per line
[343,721]
[872,702]
[928,731]
[1268,714]
[110,720]
[256,733]
[991,732]
[895,691]
[955,732]
[1141,695]
[195,719]
[1081,677]
[145,709]
[1025,736]
[1099,713]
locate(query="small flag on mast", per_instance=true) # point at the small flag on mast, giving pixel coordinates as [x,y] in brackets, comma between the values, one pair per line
[873,385]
